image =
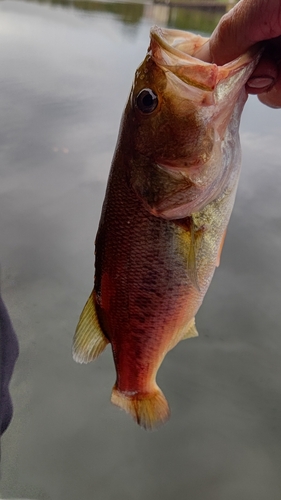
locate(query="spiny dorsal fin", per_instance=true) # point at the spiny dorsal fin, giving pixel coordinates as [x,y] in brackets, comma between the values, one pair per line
[89,341]
[191,330]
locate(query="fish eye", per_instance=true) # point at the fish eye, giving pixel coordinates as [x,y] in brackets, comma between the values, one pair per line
[146,101]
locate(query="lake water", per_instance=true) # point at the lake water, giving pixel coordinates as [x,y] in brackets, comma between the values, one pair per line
[66,70]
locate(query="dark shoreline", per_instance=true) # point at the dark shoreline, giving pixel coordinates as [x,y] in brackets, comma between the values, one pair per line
[213,5]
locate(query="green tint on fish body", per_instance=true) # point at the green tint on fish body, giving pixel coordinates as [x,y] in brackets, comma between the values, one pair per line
[169,198]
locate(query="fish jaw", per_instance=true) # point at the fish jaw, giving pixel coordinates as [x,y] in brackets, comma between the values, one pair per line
[177,51]
[180,161]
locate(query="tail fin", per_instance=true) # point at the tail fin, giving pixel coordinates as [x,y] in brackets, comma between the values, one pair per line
[149,410]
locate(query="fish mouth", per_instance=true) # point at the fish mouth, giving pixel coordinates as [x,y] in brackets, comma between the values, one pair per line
[177,43]
[176,51]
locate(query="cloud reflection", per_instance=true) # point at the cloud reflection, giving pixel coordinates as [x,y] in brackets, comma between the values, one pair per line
[65,77]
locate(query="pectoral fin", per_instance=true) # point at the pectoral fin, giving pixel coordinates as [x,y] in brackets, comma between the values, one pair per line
[196,236]
[89,341]
[220,248]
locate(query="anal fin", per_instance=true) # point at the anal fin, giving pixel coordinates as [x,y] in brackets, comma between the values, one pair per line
[89,341]
[191,330]
[187,332]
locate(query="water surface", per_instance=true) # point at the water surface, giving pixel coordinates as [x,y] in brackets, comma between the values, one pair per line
[66,71]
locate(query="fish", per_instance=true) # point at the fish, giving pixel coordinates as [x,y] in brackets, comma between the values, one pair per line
[168,201]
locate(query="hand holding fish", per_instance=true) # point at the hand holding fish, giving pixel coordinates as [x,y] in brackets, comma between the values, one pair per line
[251,22]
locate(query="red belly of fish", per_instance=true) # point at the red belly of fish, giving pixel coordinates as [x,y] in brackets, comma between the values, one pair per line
[144,295]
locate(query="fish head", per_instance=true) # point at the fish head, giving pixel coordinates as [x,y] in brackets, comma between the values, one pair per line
[169,128]
[177,122]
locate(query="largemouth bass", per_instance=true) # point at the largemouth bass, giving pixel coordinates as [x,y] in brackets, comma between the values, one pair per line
[169,197]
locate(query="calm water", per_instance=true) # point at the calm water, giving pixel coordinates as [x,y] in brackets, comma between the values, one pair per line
[66,70]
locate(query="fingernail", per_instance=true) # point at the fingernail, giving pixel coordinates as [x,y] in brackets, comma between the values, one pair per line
[259,82]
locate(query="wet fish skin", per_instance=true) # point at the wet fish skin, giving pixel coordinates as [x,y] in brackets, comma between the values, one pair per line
[169,197]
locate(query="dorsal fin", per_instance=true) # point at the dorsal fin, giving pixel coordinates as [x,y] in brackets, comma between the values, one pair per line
[89,340]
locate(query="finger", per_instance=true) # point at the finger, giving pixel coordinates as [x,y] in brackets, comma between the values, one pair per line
[244,25]
[203,53]
[272,98]
[264,76]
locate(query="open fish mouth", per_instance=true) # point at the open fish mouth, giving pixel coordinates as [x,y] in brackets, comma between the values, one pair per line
[176,50]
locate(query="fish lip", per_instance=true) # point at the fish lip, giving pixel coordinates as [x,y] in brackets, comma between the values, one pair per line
[164,38]
[175,51]
[166,49]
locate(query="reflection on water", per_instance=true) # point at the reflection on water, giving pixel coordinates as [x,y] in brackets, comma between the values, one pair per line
[65,77]
[132,13]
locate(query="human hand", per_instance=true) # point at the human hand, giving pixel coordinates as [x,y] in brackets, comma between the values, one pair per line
[248,23]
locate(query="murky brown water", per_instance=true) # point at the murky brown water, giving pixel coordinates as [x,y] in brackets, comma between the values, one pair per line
[65,75]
